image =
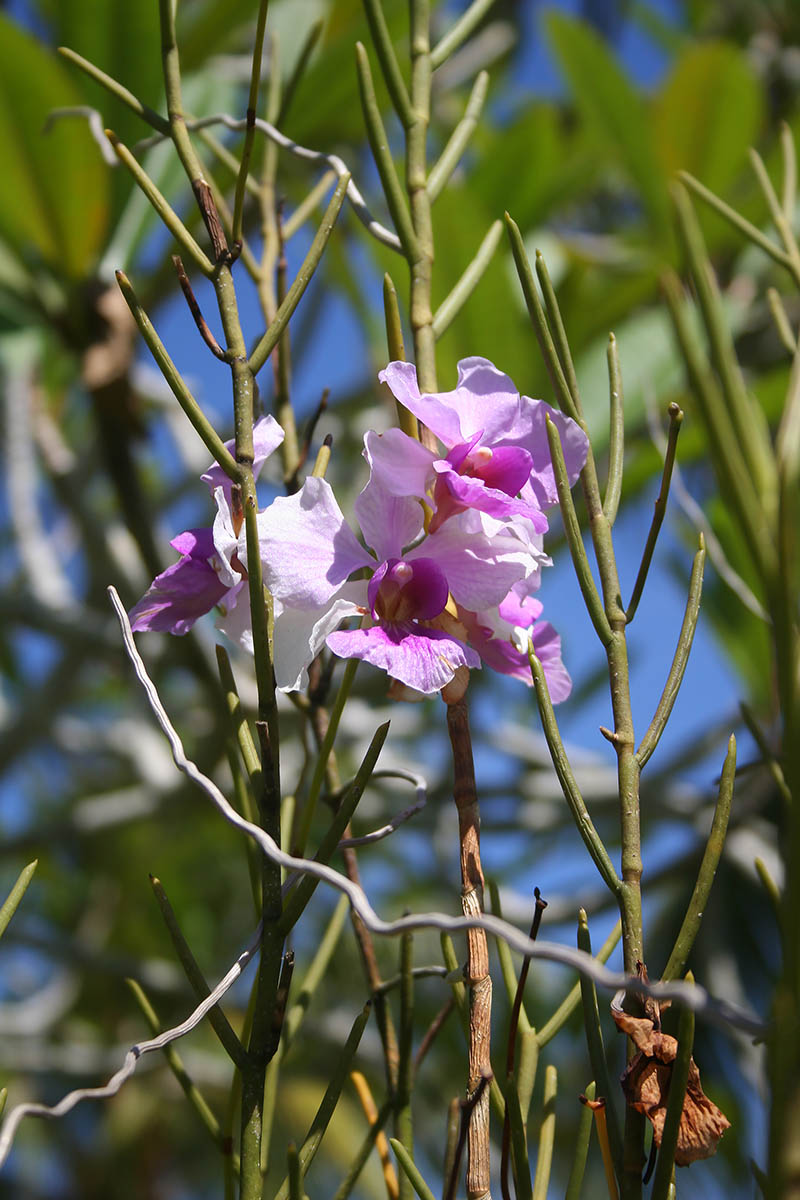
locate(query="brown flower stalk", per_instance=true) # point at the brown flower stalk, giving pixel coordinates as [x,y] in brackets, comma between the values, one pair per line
[477,969]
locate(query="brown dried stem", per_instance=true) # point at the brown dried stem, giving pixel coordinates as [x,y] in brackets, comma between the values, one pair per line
[477,967]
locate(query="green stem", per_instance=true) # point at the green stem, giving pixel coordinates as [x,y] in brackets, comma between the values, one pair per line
[165,211]
[596,1048]
[411,1170]
[325,750]
[547,1135]
[581,1148]
[708,869]
[665,1163]
[216,1017]
[573,998]
[616,441]
[560,340]
[679,661]
[659,511]
[450,157]
[420,253]
[750,231]
[11,902]
[187,1085]
[569,787]
[191,408]
[271,337]
[403,1127]
[452,304]
[379,144]
[390,68]
[250,132]
[362,1154]
[329,1101]
[458,33]
[117,90]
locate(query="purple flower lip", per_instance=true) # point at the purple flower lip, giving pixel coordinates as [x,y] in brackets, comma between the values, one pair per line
[401,591]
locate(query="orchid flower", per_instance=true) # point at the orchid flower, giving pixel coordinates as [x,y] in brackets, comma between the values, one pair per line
[501,636]
[209,572]
[498,457]
[309,554]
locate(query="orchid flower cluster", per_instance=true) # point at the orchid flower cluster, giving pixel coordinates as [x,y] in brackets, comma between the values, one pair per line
[451,558]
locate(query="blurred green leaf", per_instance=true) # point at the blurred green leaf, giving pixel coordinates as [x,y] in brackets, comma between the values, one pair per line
[708,114]
[54,199]
[614,109]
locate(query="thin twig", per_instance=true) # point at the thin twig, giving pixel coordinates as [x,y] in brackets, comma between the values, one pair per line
[194,309]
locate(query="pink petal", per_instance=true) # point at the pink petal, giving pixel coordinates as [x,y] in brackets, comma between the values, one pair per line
[267,436]
[307,548]
[425,660]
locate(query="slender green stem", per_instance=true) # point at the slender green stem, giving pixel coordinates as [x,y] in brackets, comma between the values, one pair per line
[362,1154]
[189,1088]
[616,441]
[506,961]
[379,144]
[305,887]
[241,729]
[708,869]
[547,1135]
[403,1127]
[767,754]
[420,253]
[458,33]
[452,304]
[317,779]
[746,423]
[539,321]
[782,324]
[665,1163]
[294,1174]
[769,885]
[597,1053]
[165,211]
[299,69]
[308,205]
[394,325]
[517,1135]
[572,529]
[750,231]
[390,68]
[329,1101]
[569,787]
[560,339]
[270,338]
[180,391]
[216,1017]
[581,1148]
[459,139]
[573,998]
[411,1170]
[783,224]
[11,902]
[316,972]
[789,190]
[659,511]
[250,132]
[734,477]
[117,90]
[679,661]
